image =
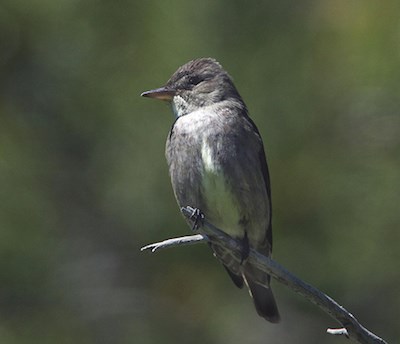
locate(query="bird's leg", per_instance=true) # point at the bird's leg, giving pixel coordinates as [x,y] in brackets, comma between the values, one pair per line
[198,219]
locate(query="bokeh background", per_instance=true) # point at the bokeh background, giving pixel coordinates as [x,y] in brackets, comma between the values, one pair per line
[84,183]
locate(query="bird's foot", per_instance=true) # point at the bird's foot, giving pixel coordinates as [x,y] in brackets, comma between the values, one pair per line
[198,219]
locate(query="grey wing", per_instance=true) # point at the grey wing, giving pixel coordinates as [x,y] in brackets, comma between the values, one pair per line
[248,161]
[263,298]
[265,173]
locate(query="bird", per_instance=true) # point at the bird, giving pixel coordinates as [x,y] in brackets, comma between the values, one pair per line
[217,164]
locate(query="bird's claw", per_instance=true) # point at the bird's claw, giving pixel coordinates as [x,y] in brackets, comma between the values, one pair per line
[198,219]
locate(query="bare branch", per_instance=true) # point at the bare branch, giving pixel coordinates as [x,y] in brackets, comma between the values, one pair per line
[185,240]
[208,232]
[338,332]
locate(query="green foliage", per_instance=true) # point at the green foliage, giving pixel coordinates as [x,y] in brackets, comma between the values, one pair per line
[84,182]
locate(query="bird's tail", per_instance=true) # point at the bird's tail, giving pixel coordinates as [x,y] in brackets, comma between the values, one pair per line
[264,301]
[263,298]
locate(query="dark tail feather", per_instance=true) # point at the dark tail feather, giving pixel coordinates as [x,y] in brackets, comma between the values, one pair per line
[265,302]
[237,279]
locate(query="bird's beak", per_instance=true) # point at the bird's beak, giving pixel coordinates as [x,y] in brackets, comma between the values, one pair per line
[162,93]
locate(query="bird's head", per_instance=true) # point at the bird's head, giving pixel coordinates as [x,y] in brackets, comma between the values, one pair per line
[198,83]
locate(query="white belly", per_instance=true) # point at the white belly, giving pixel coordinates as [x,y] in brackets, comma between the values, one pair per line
[222,207]
[221,202]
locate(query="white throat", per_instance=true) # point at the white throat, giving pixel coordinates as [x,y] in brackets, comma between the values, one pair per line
[179,106]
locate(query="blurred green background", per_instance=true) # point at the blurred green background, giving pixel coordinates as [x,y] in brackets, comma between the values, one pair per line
[84,183]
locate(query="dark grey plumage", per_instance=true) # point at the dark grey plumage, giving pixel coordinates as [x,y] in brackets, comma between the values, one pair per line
[217,164]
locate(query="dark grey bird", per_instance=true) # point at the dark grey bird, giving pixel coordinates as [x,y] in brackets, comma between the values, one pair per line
[217,164]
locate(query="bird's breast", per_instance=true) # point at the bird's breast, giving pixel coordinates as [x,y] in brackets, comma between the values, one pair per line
[204,153]
[221,203]
[215,166]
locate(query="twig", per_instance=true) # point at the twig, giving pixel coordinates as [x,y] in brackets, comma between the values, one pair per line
[185,240]
[338,332]
[352,329]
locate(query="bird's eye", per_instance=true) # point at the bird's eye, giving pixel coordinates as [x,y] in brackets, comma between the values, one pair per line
[195,80]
